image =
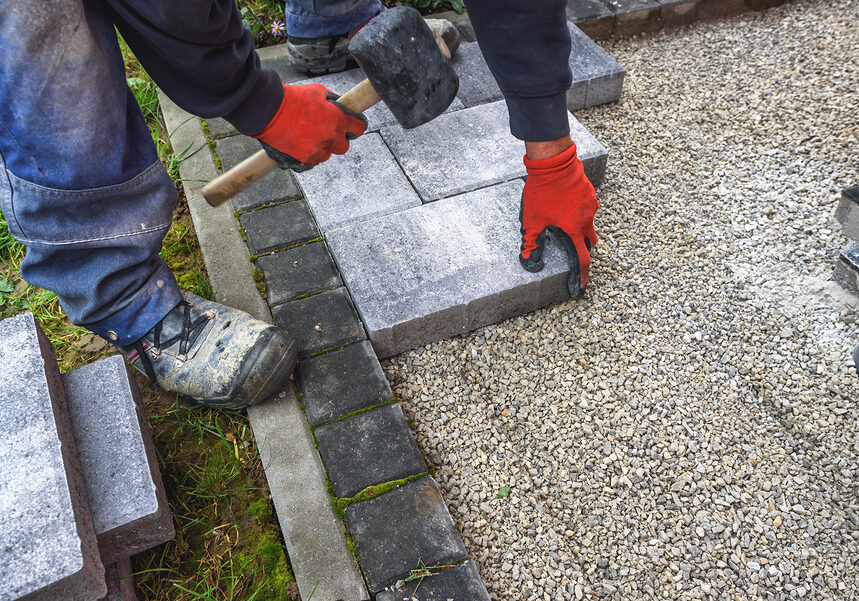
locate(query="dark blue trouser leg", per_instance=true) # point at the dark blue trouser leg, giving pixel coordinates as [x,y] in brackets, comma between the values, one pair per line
[323,18]
[80,181]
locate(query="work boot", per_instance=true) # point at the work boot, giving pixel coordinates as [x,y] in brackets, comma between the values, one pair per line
[330,54]
[218,356]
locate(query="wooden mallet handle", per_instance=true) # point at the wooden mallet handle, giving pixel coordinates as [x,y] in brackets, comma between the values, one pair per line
[230,183]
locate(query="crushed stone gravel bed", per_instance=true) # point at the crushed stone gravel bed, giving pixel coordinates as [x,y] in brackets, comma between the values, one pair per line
[689,429]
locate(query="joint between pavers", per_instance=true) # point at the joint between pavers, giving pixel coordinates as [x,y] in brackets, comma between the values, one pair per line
[290,247]
[353,413]
[371,492]
[210,142]
[268,205]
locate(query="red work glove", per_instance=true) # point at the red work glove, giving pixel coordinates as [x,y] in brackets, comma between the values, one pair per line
[559,198]
[309,127]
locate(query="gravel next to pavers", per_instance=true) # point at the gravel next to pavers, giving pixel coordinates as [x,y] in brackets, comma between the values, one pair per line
[689,429]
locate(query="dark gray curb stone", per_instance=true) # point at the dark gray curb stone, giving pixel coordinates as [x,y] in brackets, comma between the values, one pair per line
[847,213]
[320,322]
[402,529]
[341,382]
[120,583]
[129,507]
[461,583]
[49,546]
[847,269]
[368,449]
[278,227]
[302,270]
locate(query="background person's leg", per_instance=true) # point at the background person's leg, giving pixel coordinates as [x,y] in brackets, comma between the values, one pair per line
[323,18]
[80,182]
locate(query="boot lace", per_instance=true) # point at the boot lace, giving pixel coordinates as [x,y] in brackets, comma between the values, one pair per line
[186,337]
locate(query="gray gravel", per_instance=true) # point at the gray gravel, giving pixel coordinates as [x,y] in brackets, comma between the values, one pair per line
[689,430]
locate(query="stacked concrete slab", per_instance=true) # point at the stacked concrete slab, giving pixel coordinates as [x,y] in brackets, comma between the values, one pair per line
[80,485]
[423,223]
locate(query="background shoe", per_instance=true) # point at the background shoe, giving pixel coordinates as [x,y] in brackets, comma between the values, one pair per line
[214,354]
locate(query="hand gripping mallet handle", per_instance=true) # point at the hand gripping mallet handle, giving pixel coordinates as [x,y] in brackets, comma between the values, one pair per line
[225,186]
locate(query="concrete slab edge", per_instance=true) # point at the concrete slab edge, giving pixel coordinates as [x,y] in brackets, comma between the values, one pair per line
[230,271]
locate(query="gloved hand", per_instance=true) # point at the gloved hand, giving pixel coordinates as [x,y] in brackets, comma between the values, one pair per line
[309,127]
[559,198]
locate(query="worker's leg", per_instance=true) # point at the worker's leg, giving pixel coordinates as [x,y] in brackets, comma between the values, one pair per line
[323,18]
[83,189]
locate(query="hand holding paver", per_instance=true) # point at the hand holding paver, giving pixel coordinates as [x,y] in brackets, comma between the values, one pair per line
[559,198]
[309,127]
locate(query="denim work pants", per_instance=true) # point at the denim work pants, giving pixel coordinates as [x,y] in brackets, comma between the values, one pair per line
[80,181]
[323,18]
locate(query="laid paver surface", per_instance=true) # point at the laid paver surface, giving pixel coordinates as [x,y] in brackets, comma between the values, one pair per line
[688,429]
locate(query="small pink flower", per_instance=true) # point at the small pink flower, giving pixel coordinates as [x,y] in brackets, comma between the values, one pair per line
[277,28]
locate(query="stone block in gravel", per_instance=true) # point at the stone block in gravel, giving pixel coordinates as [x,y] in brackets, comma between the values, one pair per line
[341,382]
[462,583]
[444,268]
[120,582]
[597,77]
[378,116]
[635,16]
[678,12]
[473,148]
[847,269]
[593,16]
[401,529]
[279,227]
[847,213]
[370,448]
[364,183]
[320,322]
[277,186]
[49,547]
[127,500]
[298,271]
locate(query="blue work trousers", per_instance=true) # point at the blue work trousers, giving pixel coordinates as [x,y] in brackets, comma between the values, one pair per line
[323,18]
[80,181]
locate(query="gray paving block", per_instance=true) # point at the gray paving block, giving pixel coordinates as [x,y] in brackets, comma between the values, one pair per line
[219,127]
[277,227]
[715,9]
[678,12]
[277,186]
[379,115]
[400,529]
[129,508]
[120,582]
[302,270]
[461,583]
[597,77]
[48,547]
[364,183]
[370,448]
[847,269]
[477,85]
[847,213]
[341,382]
[324,568]
[635,16]
[275,57]
[320,322]
[473,148]
[444,268]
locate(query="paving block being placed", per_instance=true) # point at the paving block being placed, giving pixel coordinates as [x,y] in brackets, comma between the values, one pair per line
[364,183]
[298,271]
[120,581]
[597,77]
[127,500]
[477,85]
[847,213]
[320,322]
[370,448]
[847,270]
[402,529]
[341,382]
[48,547]
[378,116]
[461,582]
[279,227]
[473,148]
[444,268]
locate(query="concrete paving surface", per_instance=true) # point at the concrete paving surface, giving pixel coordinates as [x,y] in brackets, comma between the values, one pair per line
[688,429]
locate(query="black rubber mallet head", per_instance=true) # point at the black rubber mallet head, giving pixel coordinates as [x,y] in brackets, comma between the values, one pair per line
[406,67]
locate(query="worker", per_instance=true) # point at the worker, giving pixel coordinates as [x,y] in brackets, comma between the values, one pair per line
[82,187]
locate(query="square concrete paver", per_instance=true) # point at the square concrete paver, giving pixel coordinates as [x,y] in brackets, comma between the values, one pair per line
[473,148]
[462,583]
[320,322]
[444,268]
[302,270]
[364,183]
[278,227]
